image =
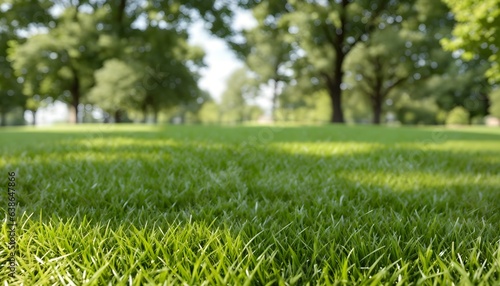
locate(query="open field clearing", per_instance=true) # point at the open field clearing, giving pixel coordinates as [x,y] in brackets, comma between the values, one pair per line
[327,205]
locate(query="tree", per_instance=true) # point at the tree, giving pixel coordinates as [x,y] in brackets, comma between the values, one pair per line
[11,95]
[116,87]
[10,91]
[290,102]
[463,84]
[476,32]
[240,89]
[410,110]
[75,43]
[406,51]
[252,112]
[357,107]
[377,67]
[314,108]
[188,111]
[176,81]
[60,63]
[327,31]
[458,116]
[170,66]
[268,52]
[9,99]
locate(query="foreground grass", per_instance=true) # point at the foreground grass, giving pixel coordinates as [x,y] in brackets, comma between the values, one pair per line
[255,205]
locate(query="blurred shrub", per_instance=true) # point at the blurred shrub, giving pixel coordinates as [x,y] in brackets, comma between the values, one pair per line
[477,120]
[458,116]
[209,113]
[191,118]
[441,117]
[409,117]
[413,111]
[15,117]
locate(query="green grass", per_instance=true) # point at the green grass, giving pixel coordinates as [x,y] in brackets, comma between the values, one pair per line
[327,205]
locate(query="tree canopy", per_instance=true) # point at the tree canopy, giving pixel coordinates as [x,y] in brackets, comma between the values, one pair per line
[413,61]
[476,33]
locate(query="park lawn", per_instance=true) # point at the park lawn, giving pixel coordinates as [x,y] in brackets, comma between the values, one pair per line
[196,205]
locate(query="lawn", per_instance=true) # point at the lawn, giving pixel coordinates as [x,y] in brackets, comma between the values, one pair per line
[327,205]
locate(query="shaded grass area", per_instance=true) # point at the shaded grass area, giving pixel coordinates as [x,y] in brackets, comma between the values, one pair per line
[258,205]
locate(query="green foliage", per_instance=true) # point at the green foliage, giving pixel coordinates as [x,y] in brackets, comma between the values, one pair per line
[477,120]
[209,113]
[11,95]
[495,103]
[315,108]
[240,90]
[357,107]
[117,87]
[268,53]
[458,116]
[186,112]
[253,112]
[368,51]
[377,67]
[9,101]
[476,32]
[401,56]
[441,117]
[327,32]
[173,83]
[463,84]
[71,44]
[34,103]
[61,61]
[15,116]
[424,111]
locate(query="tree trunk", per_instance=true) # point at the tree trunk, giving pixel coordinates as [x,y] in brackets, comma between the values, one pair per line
[121,12]
[334,89]
[378,94]
[336,99]
[75,94]
[33,112]
[74,111]
[155,116]
[377,108]
[118,116]
[335,82]
[335,93]
[275,100]
[144,110]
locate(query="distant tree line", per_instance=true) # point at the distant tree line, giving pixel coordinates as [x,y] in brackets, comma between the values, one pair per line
[413,61]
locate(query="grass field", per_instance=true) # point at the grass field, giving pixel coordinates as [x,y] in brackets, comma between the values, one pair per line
[327,205]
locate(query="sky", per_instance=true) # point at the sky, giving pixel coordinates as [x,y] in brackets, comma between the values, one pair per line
[220,61]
